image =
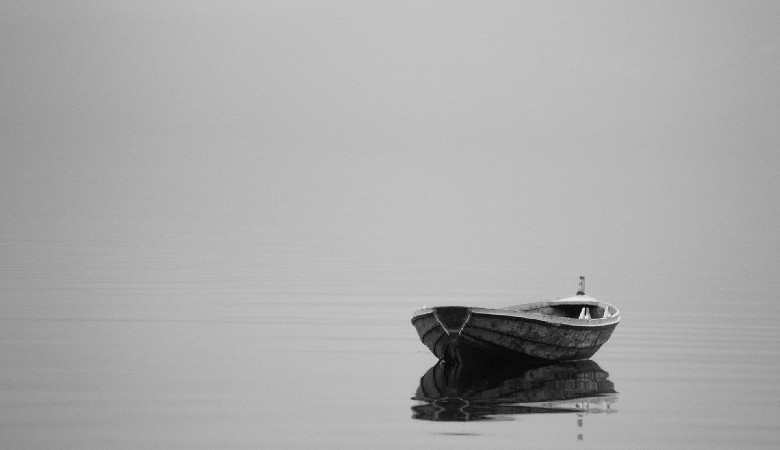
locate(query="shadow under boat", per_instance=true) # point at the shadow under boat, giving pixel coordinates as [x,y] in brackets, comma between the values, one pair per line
[483,390]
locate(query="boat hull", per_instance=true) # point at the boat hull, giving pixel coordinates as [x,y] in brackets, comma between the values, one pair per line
[459,333]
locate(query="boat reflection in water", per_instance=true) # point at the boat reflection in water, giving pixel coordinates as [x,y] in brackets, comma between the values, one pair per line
[481,391]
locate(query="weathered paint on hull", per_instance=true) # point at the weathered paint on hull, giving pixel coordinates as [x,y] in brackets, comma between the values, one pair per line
[518,339]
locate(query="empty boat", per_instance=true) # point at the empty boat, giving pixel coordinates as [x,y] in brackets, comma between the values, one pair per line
[565,329]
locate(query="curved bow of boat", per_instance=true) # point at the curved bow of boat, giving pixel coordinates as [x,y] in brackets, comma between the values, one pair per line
[452,318]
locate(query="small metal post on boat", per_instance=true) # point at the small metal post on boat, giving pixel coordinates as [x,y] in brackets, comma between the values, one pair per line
[581,290]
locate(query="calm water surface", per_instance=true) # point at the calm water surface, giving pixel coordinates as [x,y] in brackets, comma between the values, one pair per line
[151,338]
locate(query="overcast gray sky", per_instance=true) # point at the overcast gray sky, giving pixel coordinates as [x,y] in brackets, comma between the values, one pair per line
[592,125]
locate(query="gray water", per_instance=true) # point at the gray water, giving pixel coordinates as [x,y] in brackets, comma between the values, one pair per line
[189,337]
[217,218]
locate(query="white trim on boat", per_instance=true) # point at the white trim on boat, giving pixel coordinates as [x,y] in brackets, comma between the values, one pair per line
[525,311]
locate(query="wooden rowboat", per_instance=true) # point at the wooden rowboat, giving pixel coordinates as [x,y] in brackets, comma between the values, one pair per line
[565,329]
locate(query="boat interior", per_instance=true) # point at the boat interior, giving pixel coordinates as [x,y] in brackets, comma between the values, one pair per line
[579,306]
[569,309]
[574,311]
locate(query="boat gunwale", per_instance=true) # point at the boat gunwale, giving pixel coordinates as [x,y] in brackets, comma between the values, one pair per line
[522,312]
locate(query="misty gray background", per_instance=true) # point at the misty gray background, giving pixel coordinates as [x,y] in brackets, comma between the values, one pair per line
[217,218]
[631,131]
